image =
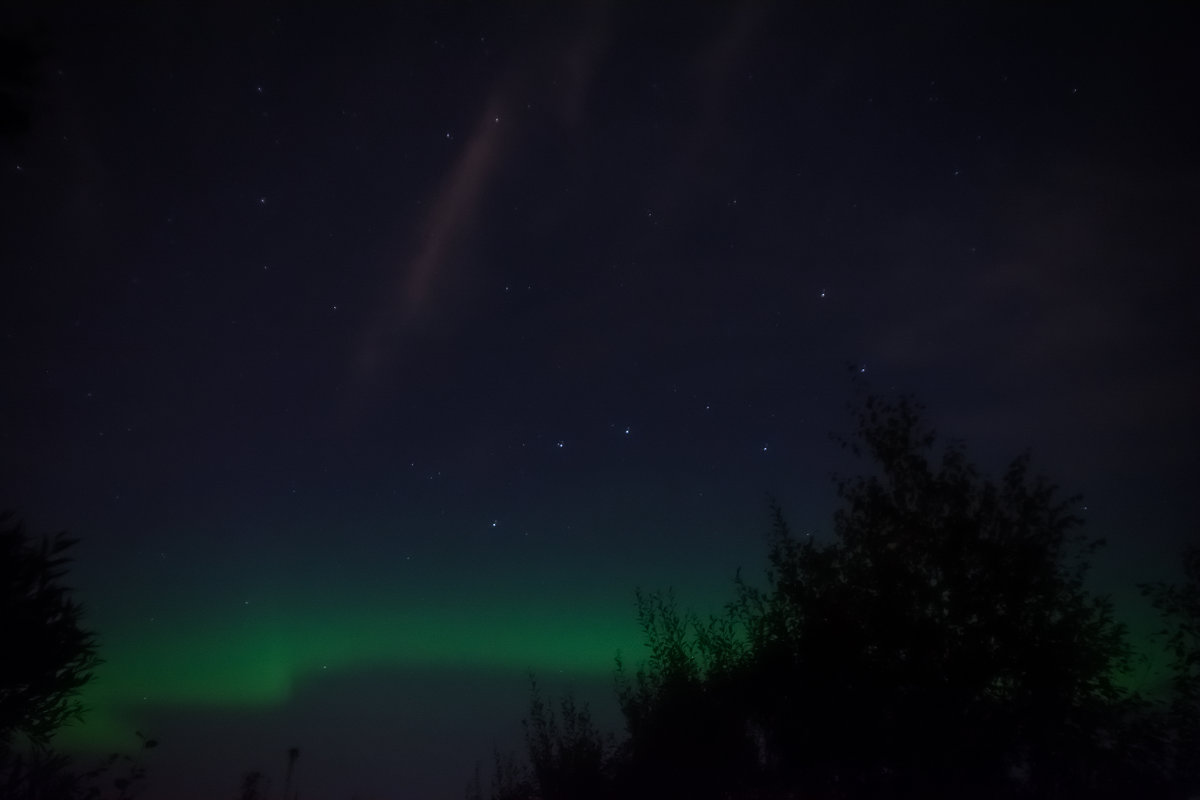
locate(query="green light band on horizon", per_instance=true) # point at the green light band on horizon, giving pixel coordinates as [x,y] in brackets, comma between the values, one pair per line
[262,662]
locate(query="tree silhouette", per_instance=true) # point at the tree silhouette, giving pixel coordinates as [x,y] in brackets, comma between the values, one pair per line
[49,655]
[42,773]
[942,644]
[571,759]
[48,658]
[511,780]
[1180,609]
[253,786]
[22,49]
[567,757]
[126,783]
[292,754]
[684,711]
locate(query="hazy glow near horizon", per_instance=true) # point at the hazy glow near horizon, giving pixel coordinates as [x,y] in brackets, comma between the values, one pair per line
[265,657]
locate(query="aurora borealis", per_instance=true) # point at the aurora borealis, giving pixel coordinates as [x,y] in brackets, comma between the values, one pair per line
[377,356]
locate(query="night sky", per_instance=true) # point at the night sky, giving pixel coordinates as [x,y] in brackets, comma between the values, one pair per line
[376,357]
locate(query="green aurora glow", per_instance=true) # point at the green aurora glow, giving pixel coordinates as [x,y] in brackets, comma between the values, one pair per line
[261,653]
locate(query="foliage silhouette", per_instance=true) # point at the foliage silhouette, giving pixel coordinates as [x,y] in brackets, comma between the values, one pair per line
[50,656]
[38,773]
[254,786]
[944,642]
[20,54]
[293,753]
[26,44]
[942,645]
[1180,730]
[511,780]
[683,709]
[41,773]
[127,783]
[567,757]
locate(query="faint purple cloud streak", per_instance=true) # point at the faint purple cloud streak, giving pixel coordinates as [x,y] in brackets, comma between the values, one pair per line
[414,287]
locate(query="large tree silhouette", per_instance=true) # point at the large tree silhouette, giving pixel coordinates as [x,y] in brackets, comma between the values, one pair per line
[942,644]
[49,655]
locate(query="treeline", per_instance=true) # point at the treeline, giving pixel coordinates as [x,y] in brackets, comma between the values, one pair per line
[942,645]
